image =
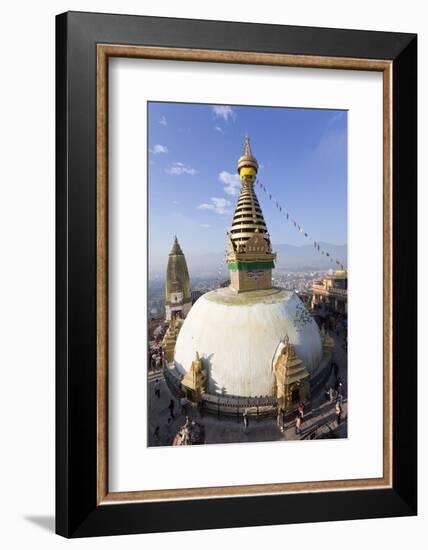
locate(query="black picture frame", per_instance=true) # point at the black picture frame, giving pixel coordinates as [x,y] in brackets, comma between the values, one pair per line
[77,511]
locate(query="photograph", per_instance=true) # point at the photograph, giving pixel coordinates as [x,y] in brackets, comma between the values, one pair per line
[247,274]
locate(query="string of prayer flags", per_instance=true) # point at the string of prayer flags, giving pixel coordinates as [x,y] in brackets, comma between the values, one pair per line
[299,227]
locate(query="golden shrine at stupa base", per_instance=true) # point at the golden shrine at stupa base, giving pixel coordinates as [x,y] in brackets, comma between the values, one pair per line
[291,377]
[194,381]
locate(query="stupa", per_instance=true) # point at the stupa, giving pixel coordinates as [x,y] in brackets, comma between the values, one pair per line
[238,332]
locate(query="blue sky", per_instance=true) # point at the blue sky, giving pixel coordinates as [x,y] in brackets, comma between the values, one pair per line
[193,184]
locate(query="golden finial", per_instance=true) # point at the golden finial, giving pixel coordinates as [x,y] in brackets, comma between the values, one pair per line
[247,160]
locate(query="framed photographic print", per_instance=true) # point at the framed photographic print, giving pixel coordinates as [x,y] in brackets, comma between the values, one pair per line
[236,243]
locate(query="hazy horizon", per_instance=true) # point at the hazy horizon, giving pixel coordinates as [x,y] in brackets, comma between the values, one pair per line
[288,257]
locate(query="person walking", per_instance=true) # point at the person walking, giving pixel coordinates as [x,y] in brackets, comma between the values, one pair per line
[331,394]
[338,412]
[156,434]
[280,419]
[337,384]
[152,362]
[245,419]
[157,388]
[298,424]
[171,407]
[327,393]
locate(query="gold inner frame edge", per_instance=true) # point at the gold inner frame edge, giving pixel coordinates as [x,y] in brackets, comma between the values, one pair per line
[104,52]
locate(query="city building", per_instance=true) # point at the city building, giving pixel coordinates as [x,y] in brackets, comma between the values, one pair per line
[178,296]
[331,291]
[256,345]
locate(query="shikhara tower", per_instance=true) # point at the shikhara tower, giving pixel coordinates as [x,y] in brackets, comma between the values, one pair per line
[178,298]
[249,252]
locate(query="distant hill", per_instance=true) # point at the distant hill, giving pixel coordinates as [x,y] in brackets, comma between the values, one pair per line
[289,257]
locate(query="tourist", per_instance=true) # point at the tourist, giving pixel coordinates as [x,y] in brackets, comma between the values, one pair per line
[336,384]
[156,435]
[298,420]
[301,410]
[338,413]
[280,420]
[327,394]
[171,408]
[157,388]
[245,418]
[331,394]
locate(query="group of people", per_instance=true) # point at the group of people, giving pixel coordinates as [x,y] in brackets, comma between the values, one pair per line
[298,418]
[334,394]
[155,359]
[171,406]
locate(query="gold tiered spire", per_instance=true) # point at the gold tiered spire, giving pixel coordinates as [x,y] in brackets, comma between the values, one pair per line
[250,256]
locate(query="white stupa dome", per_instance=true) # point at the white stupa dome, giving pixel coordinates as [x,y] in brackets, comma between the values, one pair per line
[237,337]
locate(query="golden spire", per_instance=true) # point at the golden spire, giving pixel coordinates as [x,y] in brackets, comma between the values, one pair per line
[247,160]
[248,218]
[249,254]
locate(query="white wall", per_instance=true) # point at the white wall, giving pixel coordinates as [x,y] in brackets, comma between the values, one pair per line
[27,268]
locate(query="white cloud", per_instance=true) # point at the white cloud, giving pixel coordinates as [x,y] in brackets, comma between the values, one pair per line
[224,111]
[332,145]
[217,205]
[159,149]
[205,225]
[232,183]
[163,121]
[334,119]
[219,129]
[178,168]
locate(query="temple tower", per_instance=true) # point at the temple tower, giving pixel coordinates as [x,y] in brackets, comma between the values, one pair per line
[249,253]
[178,298]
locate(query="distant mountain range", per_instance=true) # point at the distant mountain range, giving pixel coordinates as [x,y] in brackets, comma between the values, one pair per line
[289,257]
[292,257]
